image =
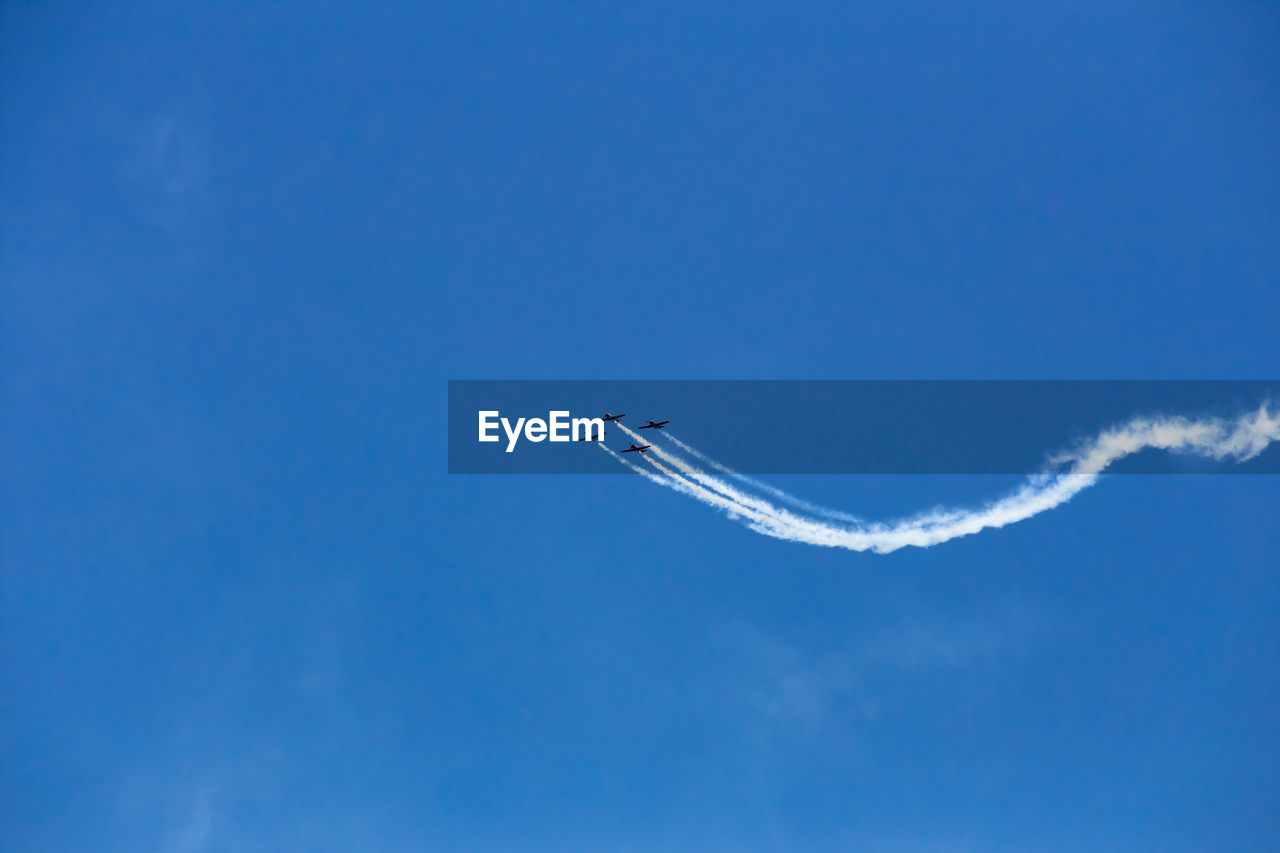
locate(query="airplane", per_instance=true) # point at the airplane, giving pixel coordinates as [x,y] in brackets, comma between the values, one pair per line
[608,417]
[634,449]
[652,425]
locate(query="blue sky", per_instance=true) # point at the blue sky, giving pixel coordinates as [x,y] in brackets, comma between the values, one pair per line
[243,248]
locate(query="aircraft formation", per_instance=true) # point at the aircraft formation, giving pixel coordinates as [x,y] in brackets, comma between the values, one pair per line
[652,424]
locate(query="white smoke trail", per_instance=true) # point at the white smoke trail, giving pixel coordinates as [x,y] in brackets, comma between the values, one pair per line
[755,520]
[1237,440]
[758,521]
[777,517]
[648,475]
[772,491]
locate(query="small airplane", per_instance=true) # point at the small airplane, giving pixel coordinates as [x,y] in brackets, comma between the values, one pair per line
[608,417]
[655,424]
[635,449]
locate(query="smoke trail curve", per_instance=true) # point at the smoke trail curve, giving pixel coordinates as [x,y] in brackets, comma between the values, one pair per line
[1236,440]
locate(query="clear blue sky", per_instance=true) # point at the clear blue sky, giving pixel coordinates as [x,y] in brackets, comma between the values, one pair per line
[243,247]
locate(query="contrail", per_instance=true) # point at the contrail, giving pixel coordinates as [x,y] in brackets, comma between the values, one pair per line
[1235,440]
[758,521]
[785,497]
[775,516]
[648,475]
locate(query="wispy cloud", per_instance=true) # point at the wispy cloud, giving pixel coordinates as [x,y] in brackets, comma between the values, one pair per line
[195,835]
[171,157]
[168,167]
[796,690]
